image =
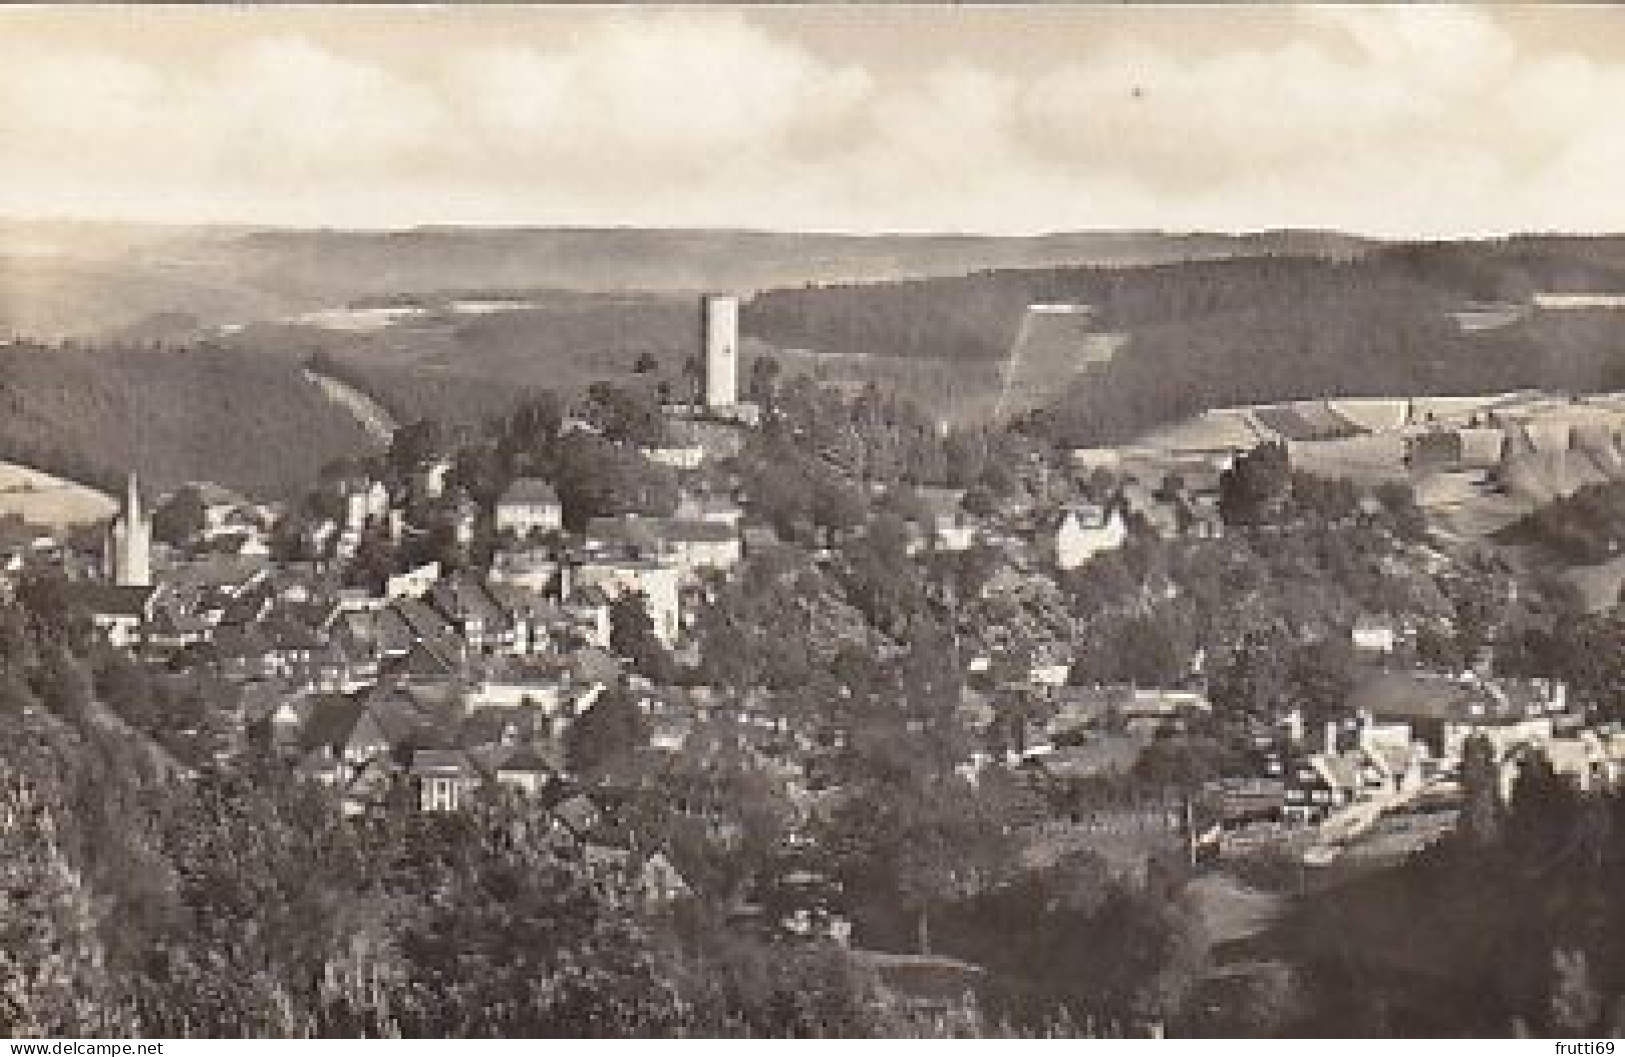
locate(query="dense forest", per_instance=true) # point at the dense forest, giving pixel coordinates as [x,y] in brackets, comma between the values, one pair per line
[173,414]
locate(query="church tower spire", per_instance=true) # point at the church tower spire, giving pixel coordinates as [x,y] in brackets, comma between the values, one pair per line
[131,541]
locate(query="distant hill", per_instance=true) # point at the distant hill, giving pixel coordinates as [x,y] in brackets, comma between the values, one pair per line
[1244,330]
[84,279]
[256,425]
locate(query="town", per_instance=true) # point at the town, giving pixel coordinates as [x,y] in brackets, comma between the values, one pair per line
[688,622]
[772,521]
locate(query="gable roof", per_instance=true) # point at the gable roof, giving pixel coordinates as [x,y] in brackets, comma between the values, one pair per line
[1397,695]
[443,762]
[526,758]
[331,722]
[693,530]
[530,491]
[112,599]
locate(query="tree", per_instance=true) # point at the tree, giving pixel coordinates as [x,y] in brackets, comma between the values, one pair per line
[180,517]
[1251,490]
[53,975]
[979,501]
[837,507]
[1481,788]
[694,377]
[764,375]
[645,363]
[1575,1004]
[630,416]
[65,687]
[126,689]
[1398,498]
[55,617]
[413,445]
[598,478]
[15,696]
[528,434]
[611,729]
[632,636]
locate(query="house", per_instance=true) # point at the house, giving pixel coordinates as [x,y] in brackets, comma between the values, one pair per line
[676,456]
[575,816]
[719,509]
[529,505]
[429,481]
[363,499]
[428,631]
[533,615]
[696,545]
[950,527]
[925,983]
[445,778]
[534,568]
[1086,530]
[1442,712]
[658,883]
[658,582]
[1320,784]
[1434,450]
[1375,635]
[118,613]
[475,613]
[507,688]
[343,730]
[526,770]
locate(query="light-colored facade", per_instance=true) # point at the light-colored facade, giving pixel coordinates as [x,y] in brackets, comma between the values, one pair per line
[530,505]
[720,313]
[1086,531]
[130,542]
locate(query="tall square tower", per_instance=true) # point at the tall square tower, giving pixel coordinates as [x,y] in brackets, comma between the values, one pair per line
[720,335]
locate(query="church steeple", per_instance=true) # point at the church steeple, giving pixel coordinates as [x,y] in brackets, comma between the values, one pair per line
[132,499]
[130,542]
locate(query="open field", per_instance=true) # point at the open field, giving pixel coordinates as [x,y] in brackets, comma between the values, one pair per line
[51,502]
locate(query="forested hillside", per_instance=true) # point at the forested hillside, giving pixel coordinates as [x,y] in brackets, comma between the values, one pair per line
[173,415]
[1215,333]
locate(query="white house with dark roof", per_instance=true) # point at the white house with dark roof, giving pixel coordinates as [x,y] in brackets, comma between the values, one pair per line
[445,778]
[1086,530]
[529,505]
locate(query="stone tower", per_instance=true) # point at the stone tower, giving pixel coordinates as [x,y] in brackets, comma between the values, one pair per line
[129,550]
[720,335]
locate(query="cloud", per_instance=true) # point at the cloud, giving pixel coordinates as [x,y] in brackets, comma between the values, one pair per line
[1413,119]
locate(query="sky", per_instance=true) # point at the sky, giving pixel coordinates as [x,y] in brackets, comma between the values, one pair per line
[1399,121]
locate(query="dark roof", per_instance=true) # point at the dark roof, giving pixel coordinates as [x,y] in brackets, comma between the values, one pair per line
[526,758]
[694,530]
[217,570]
[331,722]
[462,598]
[454,760]
[634,532]
[530,490]
[1396,695]
[111,599]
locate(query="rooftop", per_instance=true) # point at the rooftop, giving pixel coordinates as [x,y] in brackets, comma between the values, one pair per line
[530,490]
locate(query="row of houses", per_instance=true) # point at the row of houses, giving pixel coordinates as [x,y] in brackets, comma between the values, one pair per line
[1408,731]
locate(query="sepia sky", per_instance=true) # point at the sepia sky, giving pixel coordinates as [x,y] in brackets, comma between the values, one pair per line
[1394,120]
